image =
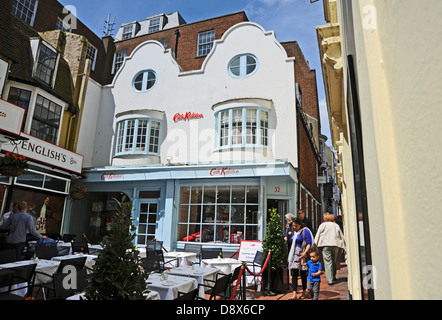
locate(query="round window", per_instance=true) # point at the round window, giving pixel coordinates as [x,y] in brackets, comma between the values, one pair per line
[243,66]
[144,80]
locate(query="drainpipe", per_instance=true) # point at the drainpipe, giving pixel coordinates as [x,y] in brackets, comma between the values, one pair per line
[177,35]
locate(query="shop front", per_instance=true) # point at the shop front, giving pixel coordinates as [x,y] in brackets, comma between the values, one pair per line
[217,205]
[44,185]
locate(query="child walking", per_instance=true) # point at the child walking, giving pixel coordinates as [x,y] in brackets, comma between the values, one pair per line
[314,274]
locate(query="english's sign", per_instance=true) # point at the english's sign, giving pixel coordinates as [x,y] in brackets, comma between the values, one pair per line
[46,152]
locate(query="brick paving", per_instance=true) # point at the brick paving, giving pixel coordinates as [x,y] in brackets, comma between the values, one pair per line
[337,291]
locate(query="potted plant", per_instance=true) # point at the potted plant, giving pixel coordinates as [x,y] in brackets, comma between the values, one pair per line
[274,241]
[78,192]
[13,164]
[118,271]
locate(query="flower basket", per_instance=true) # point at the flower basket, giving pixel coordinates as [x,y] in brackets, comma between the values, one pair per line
[11,171]
[77,196]
[13,165]
[78,193]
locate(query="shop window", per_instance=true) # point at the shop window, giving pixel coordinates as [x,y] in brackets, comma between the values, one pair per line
[138,136]
[46,209]
[242,127]
[38,180]
[222,213]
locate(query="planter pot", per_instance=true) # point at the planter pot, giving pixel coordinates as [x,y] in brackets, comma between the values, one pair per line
[77,196]
[11,171]
[279,281]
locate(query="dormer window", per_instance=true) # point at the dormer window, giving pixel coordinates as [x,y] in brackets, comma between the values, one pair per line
[155,24]
[128,32]
[46,63]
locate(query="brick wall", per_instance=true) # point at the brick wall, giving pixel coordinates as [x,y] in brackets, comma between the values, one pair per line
[306,78]
[186,54]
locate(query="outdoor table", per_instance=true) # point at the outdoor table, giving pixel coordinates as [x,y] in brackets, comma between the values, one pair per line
[90,259]
[199,273]
[168,289]
[184,259]
[226,265]
[43,266]
[151,295]
[65,248]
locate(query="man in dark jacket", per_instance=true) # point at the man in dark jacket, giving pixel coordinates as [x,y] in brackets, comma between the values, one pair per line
[305,221]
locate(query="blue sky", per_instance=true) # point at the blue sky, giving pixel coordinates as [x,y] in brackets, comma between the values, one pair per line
[290,19]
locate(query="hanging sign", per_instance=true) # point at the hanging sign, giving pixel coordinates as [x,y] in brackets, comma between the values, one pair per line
[46,152]
[11,117]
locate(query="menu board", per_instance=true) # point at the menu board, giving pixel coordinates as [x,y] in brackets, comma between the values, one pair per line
[247,250]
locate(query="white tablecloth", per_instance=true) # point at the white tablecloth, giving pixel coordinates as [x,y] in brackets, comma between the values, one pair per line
[168,289]
[184,259]
[199,273]
[43,266]
[152,295]
[66,247]
[226,265]
[90,259]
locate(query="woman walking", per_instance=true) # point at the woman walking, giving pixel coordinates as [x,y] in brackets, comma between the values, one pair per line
[299,252]
[331,239]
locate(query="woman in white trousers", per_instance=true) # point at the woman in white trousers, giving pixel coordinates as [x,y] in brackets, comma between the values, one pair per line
[330,238]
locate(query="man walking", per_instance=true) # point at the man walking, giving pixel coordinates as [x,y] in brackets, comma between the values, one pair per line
[305,221]
[19,224]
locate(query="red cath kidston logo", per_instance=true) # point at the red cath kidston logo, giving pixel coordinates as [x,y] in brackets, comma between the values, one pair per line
[187,116]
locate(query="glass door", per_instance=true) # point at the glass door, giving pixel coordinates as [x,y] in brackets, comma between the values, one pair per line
[147,221]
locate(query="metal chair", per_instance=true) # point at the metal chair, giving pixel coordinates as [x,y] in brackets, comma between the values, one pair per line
[258,261]
[7,256]
[60,290]
[6,282]
[81,247]
[68,237]
[155,245]
[191,295]
[219,287]
[196,248]
[210,253]
[77,263]
[154,261]
[22,277]
[46,253]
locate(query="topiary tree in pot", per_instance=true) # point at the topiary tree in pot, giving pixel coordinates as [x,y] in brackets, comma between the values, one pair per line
[118,271]
[274,241]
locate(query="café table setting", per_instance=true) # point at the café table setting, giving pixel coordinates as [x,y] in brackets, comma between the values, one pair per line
[184,259]
[199,273]
[168,285]
[225,265]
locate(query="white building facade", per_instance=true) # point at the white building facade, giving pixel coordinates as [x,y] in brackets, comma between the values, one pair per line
[202,154]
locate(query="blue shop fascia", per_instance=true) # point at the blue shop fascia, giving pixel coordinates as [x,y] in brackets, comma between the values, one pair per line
[214,205]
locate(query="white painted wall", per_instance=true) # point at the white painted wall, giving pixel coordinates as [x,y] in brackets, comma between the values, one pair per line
[203,91]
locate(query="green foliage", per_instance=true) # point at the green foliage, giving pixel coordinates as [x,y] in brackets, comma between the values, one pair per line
[118,273]
[274,240]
